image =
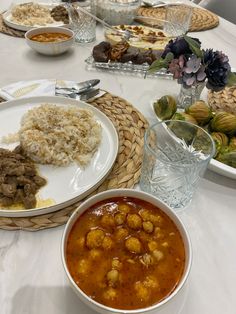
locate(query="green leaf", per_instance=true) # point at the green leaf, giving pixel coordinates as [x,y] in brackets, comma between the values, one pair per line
[194,46]
[231,79]
[161,63]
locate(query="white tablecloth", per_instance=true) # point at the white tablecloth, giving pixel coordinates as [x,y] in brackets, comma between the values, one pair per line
[32,280]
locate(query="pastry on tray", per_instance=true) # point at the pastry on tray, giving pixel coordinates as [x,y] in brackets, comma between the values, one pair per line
[142,37]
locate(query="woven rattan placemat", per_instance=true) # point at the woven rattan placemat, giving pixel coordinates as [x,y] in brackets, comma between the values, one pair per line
[201,20]
[8,30]
[224,100]
[130,125]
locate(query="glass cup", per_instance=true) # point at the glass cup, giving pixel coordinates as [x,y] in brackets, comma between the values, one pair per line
[83,24]
[176,154]
[179,15]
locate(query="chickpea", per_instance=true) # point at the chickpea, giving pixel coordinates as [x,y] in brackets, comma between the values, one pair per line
[116,264]
[107,221]
[107,243]
[145,214]
[158,255]
[83,267]
[158,233]
[134,221]
[120,218]
[110,294]
[142,292]
[95,253]
[150,282]
[113,276]
[148,226]
[152,245]
[121,234]
[95,238]
[124,208]
[133,245]
[156,220]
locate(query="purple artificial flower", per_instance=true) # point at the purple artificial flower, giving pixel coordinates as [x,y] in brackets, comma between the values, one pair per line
[178,47]
[193,64]
[176,67]
[217,69]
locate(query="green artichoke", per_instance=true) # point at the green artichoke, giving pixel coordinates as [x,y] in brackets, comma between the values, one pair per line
[221,140]
[232,143]
[183,131]
[228,158]
[165,107]
[200,111]
[184,117]
[224,122]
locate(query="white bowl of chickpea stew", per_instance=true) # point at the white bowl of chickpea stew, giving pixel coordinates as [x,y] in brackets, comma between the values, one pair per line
[50,40]
[125,251]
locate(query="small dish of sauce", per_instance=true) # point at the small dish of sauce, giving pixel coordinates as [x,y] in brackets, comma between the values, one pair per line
[50,37]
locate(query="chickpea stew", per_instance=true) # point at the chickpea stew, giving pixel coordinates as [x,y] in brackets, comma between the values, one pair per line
[125,253]
[50,37]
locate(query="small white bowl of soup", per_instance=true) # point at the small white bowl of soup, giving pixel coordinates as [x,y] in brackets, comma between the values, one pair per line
[50,40]
[125,251]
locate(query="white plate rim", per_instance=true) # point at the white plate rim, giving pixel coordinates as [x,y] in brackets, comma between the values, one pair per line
[26,28]
[98,114]
[214,165]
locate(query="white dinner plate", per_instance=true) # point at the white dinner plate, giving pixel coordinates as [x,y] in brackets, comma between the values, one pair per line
[214,165]
[7,20]
[65,185]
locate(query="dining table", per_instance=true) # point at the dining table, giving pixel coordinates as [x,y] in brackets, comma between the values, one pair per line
[32,278]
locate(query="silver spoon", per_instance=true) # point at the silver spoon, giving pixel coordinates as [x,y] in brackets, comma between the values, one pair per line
[155,4]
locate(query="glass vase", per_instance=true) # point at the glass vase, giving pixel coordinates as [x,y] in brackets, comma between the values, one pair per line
[190,95]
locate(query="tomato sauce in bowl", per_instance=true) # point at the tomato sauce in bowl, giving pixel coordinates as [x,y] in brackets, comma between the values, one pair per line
[125,253]
[50,37]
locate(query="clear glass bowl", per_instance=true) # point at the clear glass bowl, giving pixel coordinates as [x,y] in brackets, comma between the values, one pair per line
[117,12]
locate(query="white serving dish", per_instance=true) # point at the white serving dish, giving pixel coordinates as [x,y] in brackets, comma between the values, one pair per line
[214,165]
[170,304]
[65,185]
[50,48]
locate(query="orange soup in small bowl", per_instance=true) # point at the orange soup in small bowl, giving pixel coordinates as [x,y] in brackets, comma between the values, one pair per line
[50,41]
[125,251]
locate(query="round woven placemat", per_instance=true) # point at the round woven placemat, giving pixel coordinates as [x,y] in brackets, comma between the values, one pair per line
[224,100]
[8,30]
[202,19]
[130,125]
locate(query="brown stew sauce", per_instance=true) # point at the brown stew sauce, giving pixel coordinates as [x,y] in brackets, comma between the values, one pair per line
[50,37]
[125,253]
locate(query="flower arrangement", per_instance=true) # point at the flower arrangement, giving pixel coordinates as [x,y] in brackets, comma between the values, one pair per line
[191,65]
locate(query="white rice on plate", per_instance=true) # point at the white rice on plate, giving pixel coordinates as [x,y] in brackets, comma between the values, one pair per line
[31,14]
[57,135]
